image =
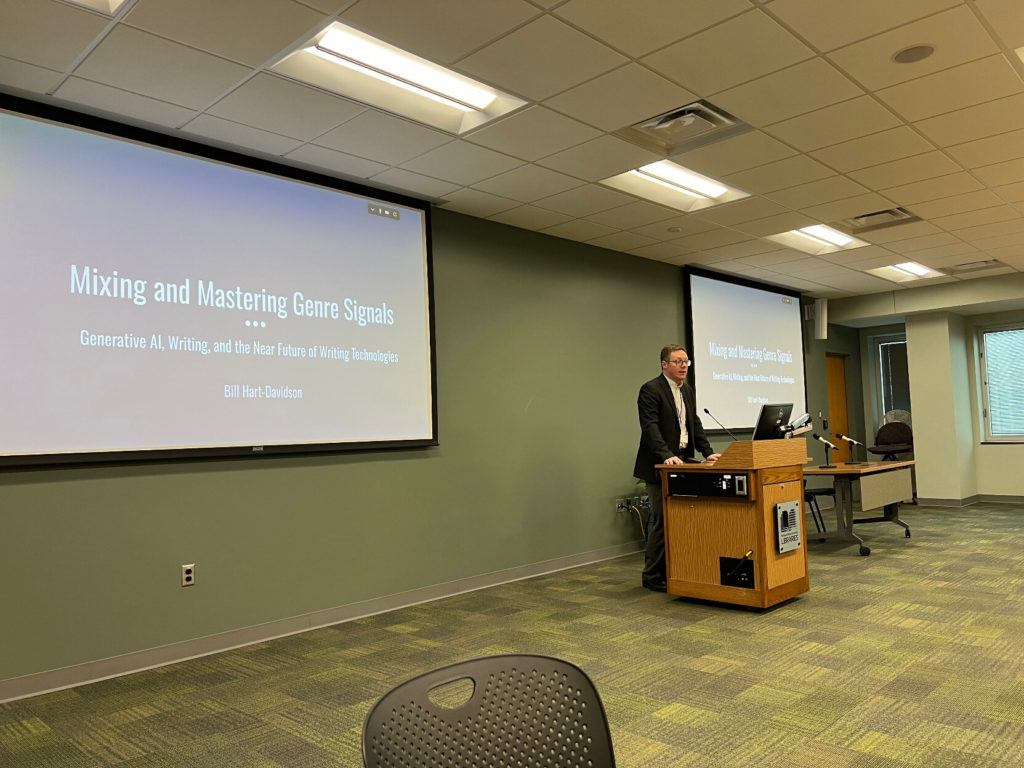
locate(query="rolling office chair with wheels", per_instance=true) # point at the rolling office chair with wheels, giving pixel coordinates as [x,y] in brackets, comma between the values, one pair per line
[892,439]
[519,710]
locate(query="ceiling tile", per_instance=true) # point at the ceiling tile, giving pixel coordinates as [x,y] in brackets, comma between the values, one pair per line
[383,138]
[1015,239]
[802,88]
[120,102]
[993,149]
[530,217]
[975,122]
[476,203]
[416,183]
[899,232]
[933,189]
[924,243]
[736,153]
[828,24]
[779,175]
[578,229]
[641,26]
[955,34]
[870,150]
[969,219]
[584,201]
[636,214]
[909,169]
[442,31]
[234,133]
[774,225]
[1001,173]
[639,94]
[47,34]
[622,241]
[815,192]
[248,31]
[743,250]
[771,258]
[339,162]
[711,239]
[528,183]
[676,227]
[1005,17]
[139,62]
[27,77]
[660,251]
[533,133]
[733,52]
[600,158]
[996,229]
[461,163]
[1011,193]
[834,124]
[285,107]
[540,59]
[952,89]
[946,206]
[749,209]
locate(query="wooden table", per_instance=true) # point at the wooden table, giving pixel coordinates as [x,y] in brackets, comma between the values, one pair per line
[882,484]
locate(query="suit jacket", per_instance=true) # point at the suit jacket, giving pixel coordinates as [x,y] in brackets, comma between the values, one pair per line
[659,428]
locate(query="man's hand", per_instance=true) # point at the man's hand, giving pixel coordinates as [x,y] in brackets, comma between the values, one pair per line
[672,460]
[713,457]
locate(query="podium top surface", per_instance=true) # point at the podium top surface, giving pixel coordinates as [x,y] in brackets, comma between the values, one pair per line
[754,454]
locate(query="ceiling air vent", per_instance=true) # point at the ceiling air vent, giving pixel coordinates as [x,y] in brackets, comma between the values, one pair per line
[683,128]
[869,222]
[973,266]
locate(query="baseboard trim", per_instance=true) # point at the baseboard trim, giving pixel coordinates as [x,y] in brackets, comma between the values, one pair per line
[137,661]
[925,502]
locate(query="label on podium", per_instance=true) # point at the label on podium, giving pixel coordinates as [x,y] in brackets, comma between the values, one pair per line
[787,526]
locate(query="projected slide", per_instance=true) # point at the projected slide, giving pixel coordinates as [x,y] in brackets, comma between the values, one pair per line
[747,350]
[152,300]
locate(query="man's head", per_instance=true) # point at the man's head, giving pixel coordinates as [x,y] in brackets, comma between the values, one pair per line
[675,363]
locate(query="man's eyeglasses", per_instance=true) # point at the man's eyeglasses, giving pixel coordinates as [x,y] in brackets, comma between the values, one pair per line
[681,362]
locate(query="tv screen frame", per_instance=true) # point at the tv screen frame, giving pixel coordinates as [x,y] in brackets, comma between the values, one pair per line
[218,156]
[770,419]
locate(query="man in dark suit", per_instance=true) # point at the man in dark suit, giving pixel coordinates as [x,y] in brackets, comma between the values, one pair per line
[670,431]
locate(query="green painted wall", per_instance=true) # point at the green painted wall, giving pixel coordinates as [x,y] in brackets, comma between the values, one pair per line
[541,346]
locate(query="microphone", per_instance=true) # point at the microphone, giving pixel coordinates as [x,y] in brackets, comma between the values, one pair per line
[821,439]
[847,438]
[730,434]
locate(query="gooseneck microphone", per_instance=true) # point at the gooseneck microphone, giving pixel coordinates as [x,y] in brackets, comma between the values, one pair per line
[821,439]
[848,439]
[730,434]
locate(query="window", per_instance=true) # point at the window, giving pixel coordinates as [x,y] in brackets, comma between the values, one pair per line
[893,380]
[1002,386]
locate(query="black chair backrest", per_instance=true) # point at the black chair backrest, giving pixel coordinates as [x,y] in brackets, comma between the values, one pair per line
[522,710]
[894,433]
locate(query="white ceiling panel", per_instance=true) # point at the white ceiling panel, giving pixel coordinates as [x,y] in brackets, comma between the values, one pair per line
[775,225]
[834,124]
[875,149]
[933,189]
[641,26]
[116,101]
[270,25]
[461,163]
[975,122]
[46,33]
[952,89]
[227,132]
[956,35]
[531,217]
[139,62]
[528,183]
[622,241]
[802,88]
[711,239]
[533,133]
[578,229]
[417,183]
[817,192]
[748,209]
[1011,193]
[847,208]
[584,201]
[736,153]
[905,171]
[676,227]
[924,243]
[829,24]
[21,76]
[1001,173]
[958,221]
[383,138]
[781,174]
[641,94]
[600,158]
[477,203]
[442,31]
[994,149]
[668,252]
[541,59]
[757,44]
[1005,18]
[900,232]
[334,162]
[285,107]
[947,206]
[636,214]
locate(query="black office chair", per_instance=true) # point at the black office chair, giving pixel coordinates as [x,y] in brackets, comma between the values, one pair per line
[509,711]
[893,439]
[811,496]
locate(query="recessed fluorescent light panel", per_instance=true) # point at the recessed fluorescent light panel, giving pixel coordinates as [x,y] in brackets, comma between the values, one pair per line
[817,240]
[360,67]
[673,185]
[904,272]
[106,7]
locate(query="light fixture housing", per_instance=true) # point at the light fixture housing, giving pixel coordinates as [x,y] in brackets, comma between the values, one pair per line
[817,240]
[361,67]
[904,272]
[673,185]
[106,7]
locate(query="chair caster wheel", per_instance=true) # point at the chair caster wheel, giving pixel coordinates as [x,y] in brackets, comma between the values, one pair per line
[864,551]
[906,535]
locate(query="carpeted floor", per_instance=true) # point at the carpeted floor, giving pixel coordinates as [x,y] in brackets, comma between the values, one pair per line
[913,656]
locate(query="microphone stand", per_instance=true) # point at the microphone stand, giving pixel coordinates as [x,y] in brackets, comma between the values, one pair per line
[828,458]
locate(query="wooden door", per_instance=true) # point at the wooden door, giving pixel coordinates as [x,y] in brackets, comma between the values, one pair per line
[838,419]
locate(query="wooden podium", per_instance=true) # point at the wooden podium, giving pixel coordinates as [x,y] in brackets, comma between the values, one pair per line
[725,524]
